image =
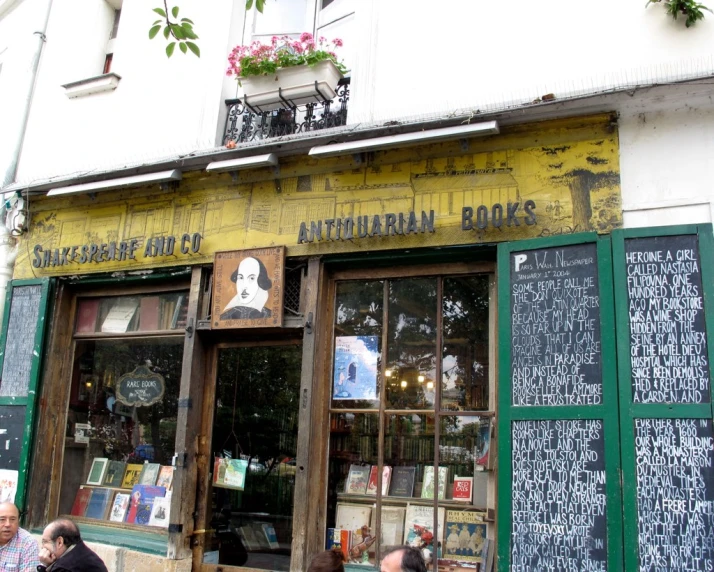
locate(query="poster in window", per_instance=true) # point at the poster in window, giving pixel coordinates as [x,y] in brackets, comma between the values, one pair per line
[248,288]
[355,374]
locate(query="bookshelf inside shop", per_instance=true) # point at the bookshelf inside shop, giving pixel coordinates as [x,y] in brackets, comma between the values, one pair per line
[123,404]
[427,478]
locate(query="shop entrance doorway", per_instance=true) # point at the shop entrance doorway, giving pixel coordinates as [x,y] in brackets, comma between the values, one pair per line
[254,422]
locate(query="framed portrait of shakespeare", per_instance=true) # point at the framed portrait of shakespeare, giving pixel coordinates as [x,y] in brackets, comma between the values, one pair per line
[248,287]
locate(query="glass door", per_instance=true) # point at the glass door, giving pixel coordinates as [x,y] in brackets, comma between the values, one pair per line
[252,463]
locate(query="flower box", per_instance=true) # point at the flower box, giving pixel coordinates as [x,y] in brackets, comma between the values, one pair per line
[295,84]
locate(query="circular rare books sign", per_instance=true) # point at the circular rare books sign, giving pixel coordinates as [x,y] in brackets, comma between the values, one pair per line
[140,388]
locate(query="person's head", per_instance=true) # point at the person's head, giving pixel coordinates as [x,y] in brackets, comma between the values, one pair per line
[250,277]
[59,535]
[403,559]
[327,561]
[9,522]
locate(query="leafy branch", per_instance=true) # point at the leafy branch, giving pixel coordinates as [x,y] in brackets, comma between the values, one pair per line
[258,5]
[180,30]
[692,9]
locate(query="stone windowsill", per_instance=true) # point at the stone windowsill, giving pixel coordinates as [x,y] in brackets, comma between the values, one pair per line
[97,84]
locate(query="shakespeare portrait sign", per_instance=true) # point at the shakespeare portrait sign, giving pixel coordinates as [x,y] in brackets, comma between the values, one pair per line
[248,288]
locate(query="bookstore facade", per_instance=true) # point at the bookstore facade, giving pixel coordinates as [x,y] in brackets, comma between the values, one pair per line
[438,346]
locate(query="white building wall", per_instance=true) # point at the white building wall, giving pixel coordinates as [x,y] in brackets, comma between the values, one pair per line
[161,107]
[667,171]
[410,58]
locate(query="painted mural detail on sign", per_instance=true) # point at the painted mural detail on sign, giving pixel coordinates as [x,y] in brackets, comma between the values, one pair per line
[553,178]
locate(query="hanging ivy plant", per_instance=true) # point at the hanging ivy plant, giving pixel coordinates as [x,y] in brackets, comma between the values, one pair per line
[693,11]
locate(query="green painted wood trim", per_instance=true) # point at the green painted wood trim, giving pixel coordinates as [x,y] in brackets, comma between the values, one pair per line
[36,368]
[607,411]
[445,254]
[629,411]
[148,541]
[13,400]
[139,276]
[505,448]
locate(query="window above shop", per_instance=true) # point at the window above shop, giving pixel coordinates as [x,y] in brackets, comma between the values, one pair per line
[148,313]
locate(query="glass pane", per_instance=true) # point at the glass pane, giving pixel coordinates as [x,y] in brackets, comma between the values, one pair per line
[254,449]
[464,451]
[358,344]
[408,449]
[121,430]
[353,484]
[122,314]
[411,346]
[465,365]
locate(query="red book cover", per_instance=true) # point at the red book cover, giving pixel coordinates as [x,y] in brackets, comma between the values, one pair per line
[345,544]
[81,501]
[463,488]
[372,484]
[149,313]
[87,312]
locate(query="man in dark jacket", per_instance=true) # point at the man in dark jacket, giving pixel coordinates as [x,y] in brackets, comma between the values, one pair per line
[63,550]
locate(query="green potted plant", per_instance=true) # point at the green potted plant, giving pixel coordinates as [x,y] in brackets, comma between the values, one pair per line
[286,70]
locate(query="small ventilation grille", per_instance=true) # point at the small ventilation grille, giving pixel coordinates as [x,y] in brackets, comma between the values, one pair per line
[293,283]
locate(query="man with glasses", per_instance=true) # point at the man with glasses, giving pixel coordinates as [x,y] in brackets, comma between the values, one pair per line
[18,550]
[64,551]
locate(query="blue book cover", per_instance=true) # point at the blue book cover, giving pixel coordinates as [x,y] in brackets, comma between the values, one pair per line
[142,501]
[98,503]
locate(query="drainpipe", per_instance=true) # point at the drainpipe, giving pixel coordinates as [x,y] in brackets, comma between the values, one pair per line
[8,253]
[26,89]
[8,246]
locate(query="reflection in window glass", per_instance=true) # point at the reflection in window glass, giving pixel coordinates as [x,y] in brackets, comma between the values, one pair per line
[464,448]
[353,480]
[358,344]
[109,442]
[411,346]
[465,365]
[408,448]
[254,449]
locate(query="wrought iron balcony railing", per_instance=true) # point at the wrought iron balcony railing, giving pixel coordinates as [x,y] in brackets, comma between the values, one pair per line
[244,123]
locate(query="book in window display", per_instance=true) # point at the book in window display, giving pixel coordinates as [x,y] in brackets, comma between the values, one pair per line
[353,517]
[160,511]
[115,474]
[357,479]
[229,473]
[131,476]
[81,500]
[149,474]
[419,525]
[372,484]
[166,477]
[97,471]
[119,507]
[355,374]
[427,489]
[402,482]
[483,446]
[465,537]
[141,503]
[463,489]
[392,533]
[98,504]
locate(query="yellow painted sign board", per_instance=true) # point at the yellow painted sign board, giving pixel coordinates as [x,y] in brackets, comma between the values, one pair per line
[530,181]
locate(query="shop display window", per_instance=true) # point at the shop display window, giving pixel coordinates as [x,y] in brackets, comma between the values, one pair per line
[411,414]
[253,459]
[118,464]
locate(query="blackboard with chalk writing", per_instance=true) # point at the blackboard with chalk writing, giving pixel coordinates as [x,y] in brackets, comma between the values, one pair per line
[668,340]
[555,326]
[558,495]
[675,494]
[12,425]
[20,341]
